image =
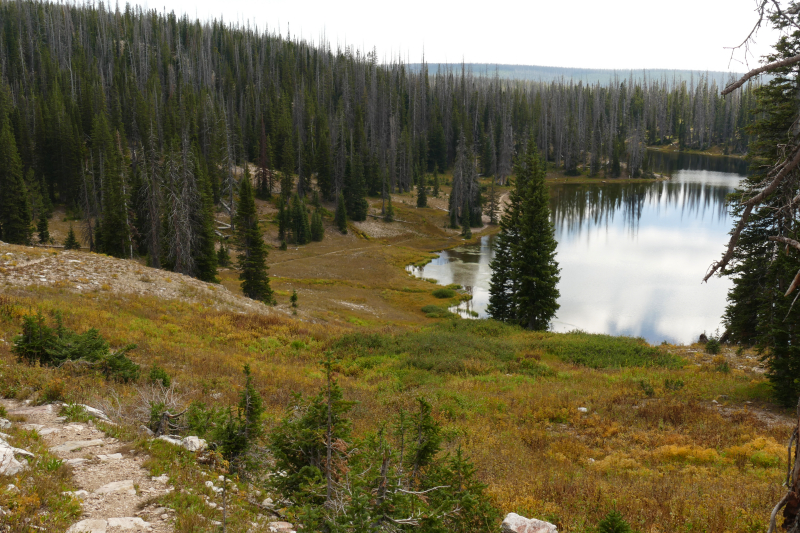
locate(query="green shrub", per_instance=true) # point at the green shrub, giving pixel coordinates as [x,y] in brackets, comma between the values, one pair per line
[647,388]
[605,351]
[158,375]
[49,346]
[435,311]
[443,293]
[673,384]
[613,523]
[713,346]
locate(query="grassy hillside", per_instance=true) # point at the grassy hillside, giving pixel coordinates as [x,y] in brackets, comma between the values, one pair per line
[563,427]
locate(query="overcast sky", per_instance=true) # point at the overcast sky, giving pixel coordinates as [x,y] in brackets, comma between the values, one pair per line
[611,34]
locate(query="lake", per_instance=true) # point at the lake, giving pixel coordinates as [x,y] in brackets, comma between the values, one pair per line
[632,255]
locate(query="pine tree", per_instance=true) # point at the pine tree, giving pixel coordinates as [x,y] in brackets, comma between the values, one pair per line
[42,229]
[466,222]
[71,243]
[263,173]
[759,311]
[252,249]
[341,214]
[422,197]
[283,222]
[389,215]
[524,270]
[317,227]
[301,232]
[436,184]
[223,257]
[355,190]
[205,256]
[15,212]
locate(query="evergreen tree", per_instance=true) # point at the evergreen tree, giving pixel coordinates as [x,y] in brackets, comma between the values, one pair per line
[355,190]
[223,256]
[283,219]
[42,229]
[324,163]
[422,197]
[466,223]
[341,214]
[15,212]
[71,243]
[239,431]
[263,173]
[436,184]
[317,227]
[301,232]
[252,249]
[389,215]
[524,270]
[205,255]
[759,312]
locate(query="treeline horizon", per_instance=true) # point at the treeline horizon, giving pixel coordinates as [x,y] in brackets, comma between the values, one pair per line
[140,123]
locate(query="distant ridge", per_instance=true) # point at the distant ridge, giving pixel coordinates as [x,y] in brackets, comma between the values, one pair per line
[586,75]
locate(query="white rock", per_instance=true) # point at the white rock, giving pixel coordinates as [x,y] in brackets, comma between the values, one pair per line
[163,478]
[89,526]
[72,445]
[194,444]
[117,487]
[48,431]
[9,466]
[212,505]
[583,409]
[95,412]
[5,424]
[210,485]
[110,457]
[515,523]
[268,503]
[280,527]
[128,522]
[77,461]
[4,435]
[11,488]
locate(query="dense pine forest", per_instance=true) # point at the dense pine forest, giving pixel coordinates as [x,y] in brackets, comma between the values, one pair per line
[143,123]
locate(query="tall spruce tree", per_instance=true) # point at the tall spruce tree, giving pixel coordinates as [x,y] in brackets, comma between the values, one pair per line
[524,271]
[422,196]
[71,242]
[15,211]
[759,312]
[252,249]
[341,214]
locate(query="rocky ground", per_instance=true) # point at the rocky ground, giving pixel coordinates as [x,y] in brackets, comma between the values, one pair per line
[114,489]
[22,266]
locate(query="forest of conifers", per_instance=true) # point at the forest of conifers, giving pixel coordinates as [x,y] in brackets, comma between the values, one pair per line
[140,123]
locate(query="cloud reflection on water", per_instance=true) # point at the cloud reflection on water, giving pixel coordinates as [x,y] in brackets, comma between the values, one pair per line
[632,257]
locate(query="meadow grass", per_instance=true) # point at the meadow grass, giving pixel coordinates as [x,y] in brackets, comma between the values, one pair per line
[667,456]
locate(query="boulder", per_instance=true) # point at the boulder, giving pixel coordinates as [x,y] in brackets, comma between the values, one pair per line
[193,444]
[89,526]
[515,523]
[4,423]
[280,527]
[9,466]
[97,413]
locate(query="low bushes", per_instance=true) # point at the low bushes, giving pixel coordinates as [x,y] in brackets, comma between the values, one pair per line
[55,346]
[605,351]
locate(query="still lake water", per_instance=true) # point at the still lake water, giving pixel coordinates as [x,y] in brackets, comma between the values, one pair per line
[632,256]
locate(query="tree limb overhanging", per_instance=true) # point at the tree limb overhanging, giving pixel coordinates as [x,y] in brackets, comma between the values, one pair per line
[760,70]
[782,171]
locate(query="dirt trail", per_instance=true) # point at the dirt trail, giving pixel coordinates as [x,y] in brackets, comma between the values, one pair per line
[114,488]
